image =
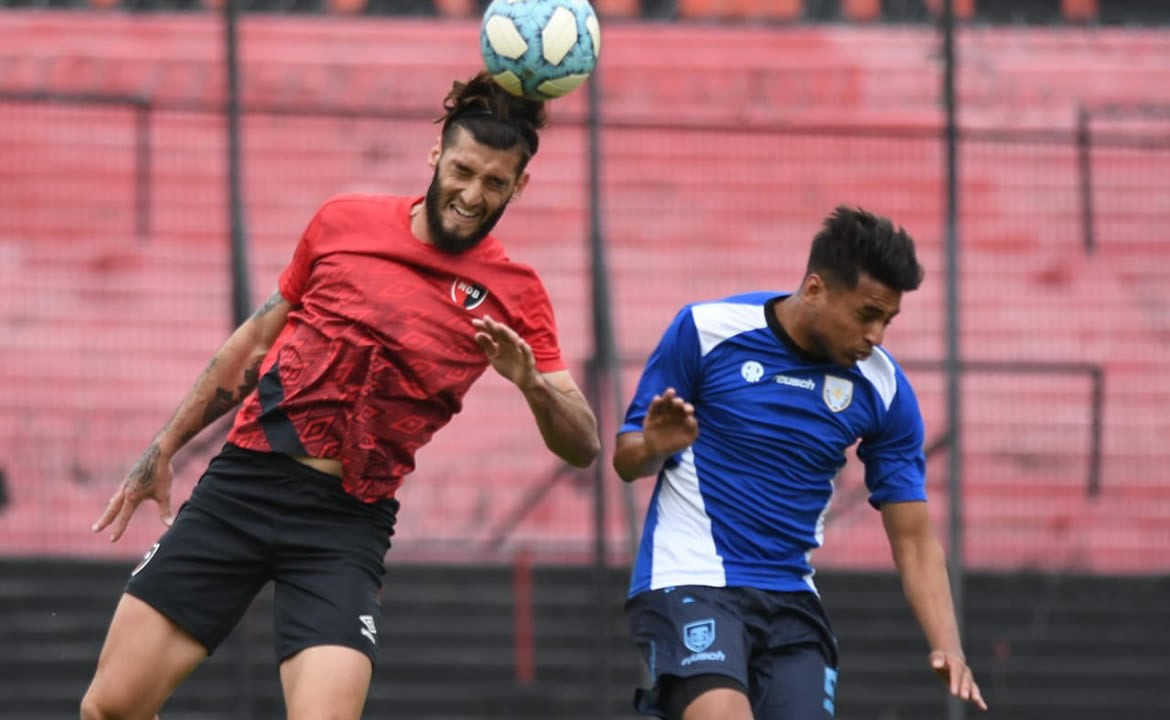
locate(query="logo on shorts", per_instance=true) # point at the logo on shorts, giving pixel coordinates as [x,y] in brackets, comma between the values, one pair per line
[369,629]
[145,559]
[468,294]
[698,636]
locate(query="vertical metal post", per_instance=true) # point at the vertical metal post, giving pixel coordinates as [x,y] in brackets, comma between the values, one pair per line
[241,303]
[1085,171]
[241,293]
[1096,430]
[142,169]
[953,361]
[604,364]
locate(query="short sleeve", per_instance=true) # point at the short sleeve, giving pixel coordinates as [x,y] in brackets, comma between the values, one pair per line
[295,278]
[674,363]
[895,463]
[536,324]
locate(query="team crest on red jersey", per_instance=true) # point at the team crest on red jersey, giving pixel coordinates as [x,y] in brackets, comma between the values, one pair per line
[468,294]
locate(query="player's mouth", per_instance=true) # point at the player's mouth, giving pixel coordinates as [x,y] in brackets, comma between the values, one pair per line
[462,215]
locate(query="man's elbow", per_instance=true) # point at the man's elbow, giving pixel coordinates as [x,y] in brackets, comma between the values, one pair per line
[623,469]
[583,459]
[584,454]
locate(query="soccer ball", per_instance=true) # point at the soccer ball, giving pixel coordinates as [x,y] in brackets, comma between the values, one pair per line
[540,49]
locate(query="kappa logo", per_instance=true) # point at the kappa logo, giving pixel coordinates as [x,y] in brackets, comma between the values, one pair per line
[468,294]
[838,393]
[145,559]
[698,636]
[369,629]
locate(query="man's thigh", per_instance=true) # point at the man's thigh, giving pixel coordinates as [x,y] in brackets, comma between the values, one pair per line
[795,683]
[326,681]
[686,632]
[144,658]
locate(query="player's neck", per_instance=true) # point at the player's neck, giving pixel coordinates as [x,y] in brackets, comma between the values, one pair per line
[791,316]
[418,223]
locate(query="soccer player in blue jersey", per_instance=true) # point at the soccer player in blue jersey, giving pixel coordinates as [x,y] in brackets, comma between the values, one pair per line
[744,412]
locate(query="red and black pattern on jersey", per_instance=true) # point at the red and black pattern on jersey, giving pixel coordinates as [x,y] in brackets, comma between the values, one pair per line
[379,349]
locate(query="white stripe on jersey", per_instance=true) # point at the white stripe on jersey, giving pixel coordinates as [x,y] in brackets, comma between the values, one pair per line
[719,321]
[878,368]
[684,548]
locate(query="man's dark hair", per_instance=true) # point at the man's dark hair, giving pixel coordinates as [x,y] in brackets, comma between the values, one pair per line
[493,116]
[852,241]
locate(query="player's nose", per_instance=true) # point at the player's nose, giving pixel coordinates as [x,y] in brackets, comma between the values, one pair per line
[472,193]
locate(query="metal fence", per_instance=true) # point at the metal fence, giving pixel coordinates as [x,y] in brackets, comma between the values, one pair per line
[117,274]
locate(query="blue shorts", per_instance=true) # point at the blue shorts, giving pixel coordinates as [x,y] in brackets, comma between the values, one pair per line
[777,645]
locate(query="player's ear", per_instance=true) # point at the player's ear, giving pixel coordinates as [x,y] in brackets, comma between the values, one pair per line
[436,151]
[813,288]
[520,184]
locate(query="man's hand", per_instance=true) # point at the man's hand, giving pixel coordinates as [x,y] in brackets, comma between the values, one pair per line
[670,424]
[149,478]
[952,669]
[507,352]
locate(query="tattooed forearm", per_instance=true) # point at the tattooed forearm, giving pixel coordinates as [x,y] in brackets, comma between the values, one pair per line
[223,401]
[273,300]
[251,379]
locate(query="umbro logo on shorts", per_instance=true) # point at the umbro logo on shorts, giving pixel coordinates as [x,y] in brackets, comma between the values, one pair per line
[369,629]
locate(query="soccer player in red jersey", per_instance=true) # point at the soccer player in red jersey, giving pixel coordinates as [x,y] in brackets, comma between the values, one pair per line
[389,310]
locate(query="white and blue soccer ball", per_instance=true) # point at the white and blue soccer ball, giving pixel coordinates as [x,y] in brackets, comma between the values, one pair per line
[540,49]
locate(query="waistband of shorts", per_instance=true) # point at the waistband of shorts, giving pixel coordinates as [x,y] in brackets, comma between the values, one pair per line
[295,468]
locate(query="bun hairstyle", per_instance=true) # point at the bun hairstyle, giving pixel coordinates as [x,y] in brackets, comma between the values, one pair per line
[493,116]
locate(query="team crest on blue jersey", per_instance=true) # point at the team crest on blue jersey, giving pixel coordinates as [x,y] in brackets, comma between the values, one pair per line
[468,294]
[838,393]
[698,636]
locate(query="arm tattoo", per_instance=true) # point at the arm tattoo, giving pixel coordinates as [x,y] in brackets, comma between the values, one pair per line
[251,379]
[223,401]
[273,300]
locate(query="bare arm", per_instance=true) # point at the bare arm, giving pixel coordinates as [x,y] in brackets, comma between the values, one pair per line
[234,371]
[922,566]
[564,417]
[669,427]
[562,414]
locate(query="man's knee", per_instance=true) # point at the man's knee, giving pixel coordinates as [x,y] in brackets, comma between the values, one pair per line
[96,706]
[704,696]
[92,708]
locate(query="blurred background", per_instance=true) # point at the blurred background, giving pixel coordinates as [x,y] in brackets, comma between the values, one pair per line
[159,159]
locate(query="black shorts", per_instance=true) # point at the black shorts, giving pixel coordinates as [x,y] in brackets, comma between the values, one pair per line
[777,645]
[255,517]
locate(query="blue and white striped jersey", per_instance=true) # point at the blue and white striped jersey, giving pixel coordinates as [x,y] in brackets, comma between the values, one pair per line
[744,506]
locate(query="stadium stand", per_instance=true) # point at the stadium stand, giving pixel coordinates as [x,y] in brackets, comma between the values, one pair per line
[106,328]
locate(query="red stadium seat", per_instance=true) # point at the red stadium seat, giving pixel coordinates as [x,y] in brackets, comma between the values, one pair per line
[1079,10]
[617,8]
[861,10]
[742,9]
[456,8]
[346,7]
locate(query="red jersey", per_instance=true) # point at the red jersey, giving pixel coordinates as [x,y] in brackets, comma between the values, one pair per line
[379,349]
